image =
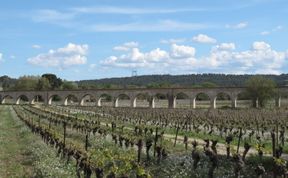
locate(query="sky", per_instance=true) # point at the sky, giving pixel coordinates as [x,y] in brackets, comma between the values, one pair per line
[88,39]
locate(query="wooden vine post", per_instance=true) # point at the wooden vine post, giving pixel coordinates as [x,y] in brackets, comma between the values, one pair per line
[155,141]
[64,127]
[86,141]
[176,135]
[239,140]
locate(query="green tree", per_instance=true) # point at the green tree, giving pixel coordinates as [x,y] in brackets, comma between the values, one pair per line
[260,89]
[66,85]
[43,84]
[27,83]
[7,83]
[53,80]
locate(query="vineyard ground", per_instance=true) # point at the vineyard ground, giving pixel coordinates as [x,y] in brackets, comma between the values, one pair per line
[23,154]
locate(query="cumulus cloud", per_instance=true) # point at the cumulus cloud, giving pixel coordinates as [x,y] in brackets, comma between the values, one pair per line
[201,38]
[136,58]
[62,58]
[182,51]
[223,58]
[260,45]
[237,26]
[126,46]
[1,56]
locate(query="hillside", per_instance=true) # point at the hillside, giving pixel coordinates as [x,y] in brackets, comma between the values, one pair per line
[181,80]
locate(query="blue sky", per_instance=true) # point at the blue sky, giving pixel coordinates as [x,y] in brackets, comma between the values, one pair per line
[85,39]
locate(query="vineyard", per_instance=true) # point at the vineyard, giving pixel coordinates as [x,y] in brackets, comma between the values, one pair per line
[124,142]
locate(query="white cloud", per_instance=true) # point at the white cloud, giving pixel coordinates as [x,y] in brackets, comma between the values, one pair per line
[62,58]
[50,15]
[260,45]
[201,38]
[265,33]
[126,46]
[36,46]
[223,58]
[173,41]
[135,58]
[129,10]
[279,27]
[182,51]
[225,46]
[275,29]
[237,26]
[1,56]
[164,25]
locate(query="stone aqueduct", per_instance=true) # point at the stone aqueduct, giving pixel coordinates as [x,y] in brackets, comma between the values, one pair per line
[170,93]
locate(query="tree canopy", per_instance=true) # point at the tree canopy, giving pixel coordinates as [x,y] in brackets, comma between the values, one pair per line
[260,89]
[146,81]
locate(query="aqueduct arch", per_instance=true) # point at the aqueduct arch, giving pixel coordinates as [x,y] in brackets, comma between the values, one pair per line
[7,99]
[141,100]
[54,98]
[22,99]
[70,99]
[151,94]
[87,99]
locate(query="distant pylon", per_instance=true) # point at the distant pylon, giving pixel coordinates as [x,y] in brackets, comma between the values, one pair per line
[134,73]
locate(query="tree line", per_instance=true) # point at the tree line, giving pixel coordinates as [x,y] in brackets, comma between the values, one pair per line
[30,82]
[191,80]
[52,82]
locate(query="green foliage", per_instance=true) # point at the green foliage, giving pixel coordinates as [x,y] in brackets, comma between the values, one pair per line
[43,84]
[7,82]
[53,80]
[159,85]
[261,89]
[208,85]
[194,80]
[66,85]
[26,83]
[153,81]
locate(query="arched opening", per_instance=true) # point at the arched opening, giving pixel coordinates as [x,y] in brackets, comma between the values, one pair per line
[182,100]
[284,100]
[243,100]
[123,100]
[160,101]
[271,102]
[142,100]
[22,99]
[7,100]
[202,100]
[223,100]
[71,100]
[105,100]
[38,99]
[55,100]
[88,100]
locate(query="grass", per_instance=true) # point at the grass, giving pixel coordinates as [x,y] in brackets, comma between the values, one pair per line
[23,154]
[12,144]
